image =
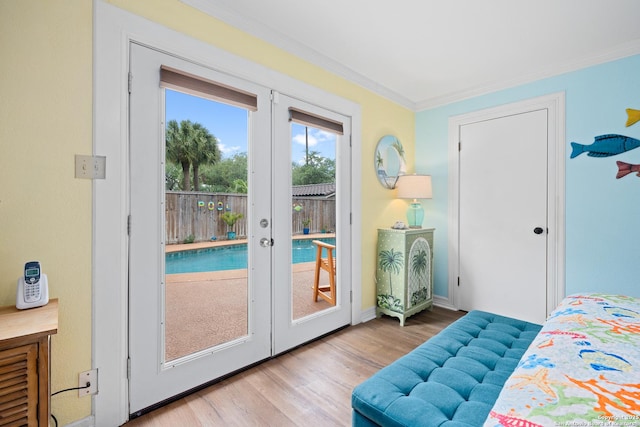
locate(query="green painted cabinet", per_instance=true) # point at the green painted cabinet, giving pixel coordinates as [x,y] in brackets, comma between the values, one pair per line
[404,273]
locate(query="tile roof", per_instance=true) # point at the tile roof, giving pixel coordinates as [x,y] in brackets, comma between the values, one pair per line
[326,189]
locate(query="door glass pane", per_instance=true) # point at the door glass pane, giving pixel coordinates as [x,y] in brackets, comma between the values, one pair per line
[206,261]
[313,176]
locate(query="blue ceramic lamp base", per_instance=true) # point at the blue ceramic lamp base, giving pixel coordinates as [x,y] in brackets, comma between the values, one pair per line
[415,215]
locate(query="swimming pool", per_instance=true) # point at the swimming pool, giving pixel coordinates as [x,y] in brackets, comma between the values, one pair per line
[231,257]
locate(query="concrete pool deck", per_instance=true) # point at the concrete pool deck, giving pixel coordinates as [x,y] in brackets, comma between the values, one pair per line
[210,308]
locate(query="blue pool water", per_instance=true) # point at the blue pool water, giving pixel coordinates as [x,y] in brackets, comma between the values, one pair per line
[231,257]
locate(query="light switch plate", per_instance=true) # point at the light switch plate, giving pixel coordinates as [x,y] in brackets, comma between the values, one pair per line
[91,167]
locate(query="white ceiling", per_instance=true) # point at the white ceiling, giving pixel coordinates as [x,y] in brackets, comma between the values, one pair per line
[424,53]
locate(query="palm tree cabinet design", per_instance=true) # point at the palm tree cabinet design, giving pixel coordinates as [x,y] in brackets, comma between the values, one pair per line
[404,277]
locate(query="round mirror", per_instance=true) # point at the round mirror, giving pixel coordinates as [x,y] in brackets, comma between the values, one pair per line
[389,161]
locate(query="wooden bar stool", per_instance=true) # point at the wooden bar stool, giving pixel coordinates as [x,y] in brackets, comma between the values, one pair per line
[328,293]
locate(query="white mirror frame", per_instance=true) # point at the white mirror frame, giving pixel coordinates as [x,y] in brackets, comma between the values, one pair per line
[389,161]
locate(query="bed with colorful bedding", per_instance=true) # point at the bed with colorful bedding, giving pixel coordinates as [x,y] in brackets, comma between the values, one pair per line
[583,368]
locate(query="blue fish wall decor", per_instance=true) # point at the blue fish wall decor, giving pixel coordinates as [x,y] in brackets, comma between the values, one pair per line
[605,146]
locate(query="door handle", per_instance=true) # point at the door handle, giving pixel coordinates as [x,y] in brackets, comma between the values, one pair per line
[265,243]
[538,230]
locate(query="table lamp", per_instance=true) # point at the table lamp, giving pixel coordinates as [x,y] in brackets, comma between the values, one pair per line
[414,187]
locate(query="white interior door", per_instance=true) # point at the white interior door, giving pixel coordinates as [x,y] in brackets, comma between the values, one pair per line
[503,216]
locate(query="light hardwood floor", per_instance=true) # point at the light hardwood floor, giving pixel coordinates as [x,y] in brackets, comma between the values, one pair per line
[309,386]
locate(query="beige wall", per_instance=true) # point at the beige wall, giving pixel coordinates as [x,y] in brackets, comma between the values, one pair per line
[46,118]
[45,213]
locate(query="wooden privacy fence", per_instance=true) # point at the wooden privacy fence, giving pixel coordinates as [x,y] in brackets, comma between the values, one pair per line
[195,216]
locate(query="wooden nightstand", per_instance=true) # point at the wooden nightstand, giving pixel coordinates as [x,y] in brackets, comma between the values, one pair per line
[24,363]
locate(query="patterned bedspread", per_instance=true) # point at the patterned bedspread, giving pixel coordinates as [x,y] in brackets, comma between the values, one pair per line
[583,368]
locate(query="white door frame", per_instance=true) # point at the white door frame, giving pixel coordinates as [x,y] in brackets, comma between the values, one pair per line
[114,29]
[555,104]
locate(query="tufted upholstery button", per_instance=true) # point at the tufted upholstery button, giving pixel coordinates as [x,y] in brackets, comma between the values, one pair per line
[452,380]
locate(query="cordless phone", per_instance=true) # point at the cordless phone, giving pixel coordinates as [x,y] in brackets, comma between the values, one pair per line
[33,289]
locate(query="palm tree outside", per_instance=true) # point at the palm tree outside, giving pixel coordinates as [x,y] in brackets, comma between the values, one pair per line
[206,151]
[190,144]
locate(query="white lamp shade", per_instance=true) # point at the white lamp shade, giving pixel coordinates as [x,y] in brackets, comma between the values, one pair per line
[414,187]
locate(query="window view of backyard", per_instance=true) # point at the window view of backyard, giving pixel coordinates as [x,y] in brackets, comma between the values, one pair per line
[206,200]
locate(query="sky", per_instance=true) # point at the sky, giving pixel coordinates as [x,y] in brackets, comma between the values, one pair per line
[229,125]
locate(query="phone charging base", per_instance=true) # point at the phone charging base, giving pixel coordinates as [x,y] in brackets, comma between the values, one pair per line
[21,304]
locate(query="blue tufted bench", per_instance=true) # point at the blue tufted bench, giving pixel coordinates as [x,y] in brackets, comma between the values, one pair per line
[452,380]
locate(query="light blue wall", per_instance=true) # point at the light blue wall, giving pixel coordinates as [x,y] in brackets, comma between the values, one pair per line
[602,213]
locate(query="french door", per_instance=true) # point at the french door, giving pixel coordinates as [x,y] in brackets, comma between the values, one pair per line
[321,145]
[192,325]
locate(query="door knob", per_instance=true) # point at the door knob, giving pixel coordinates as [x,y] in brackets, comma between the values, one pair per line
[538,230]
[265,243]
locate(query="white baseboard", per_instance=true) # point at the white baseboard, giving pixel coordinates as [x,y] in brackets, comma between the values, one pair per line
[443,302]
[368,314]
[85,422]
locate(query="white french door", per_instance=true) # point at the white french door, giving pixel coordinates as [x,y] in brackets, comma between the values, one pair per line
[161,308]
[188,328]
[290,328]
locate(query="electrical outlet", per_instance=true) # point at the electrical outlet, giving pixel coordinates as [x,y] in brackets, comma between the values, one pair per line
[88,378]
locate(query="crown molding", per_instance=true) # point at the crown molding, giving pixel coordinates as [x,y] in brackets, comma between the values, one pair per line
[619,52]
[219,11]
[292,46]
